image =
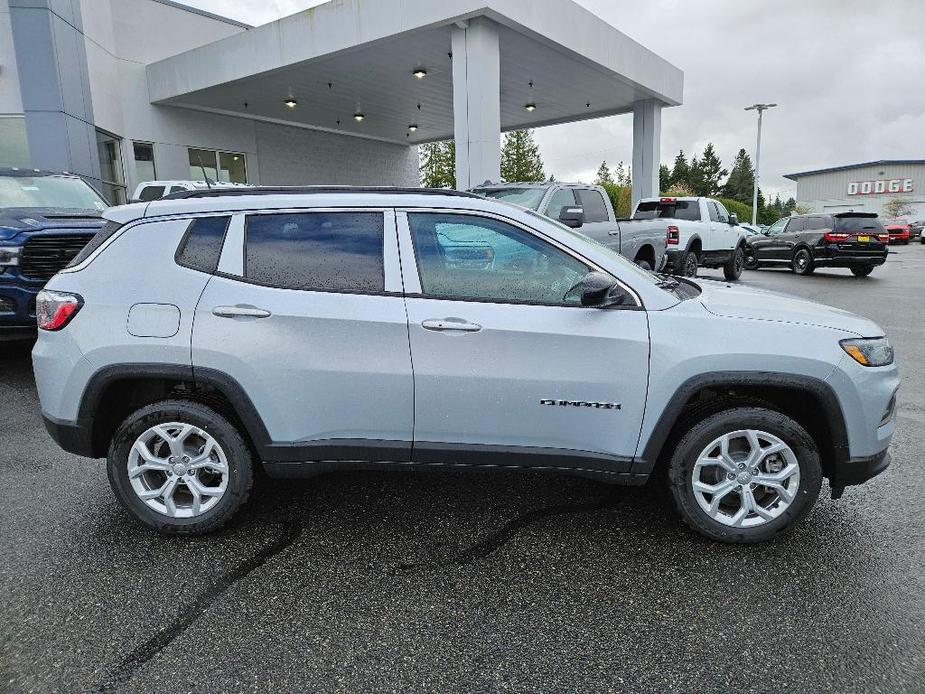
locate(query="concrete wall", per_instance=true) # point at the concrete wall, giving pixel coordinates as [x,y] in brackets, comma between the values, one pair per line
[828,192]
[83,67]
[290,155]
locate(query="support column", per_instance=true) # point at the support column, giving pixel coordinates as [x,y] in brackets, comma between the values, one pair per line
[647,140]
[476,102]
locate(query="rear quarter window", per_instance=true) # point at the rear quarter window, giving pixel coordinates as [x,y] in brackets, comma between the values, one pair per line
[202,244]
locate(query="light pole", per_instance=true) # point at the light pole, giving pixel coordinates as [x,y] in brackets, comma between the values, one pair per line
[760,108]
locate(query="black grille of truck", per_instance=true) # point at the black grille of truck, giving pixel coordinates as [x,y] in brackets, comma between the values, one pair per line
[43,256]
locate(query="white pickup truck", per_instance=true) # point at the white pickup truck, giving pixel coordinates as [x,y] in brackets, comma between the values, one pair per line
[699,232]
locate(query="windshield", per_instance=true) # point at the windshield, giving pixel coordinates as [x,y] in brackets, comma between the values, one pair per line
[49,191]
[525,197]
[674,209]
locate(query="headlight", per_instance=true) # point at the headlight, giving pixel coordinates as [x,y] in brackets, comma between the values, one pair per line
[869,351]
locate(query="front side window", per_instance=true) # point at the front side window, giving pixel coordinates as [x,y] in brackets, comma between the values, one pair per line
[564,197]
[471,257]
[593,203]
[721,214]
[711,208]
[325,251]
[777,227]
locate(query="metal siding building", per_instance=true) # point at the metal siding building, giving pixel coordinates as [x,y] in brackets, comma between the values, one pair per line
[863,187]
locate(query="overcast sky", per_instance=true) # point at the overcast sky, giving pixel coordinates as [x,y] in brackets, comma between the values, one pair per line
[848,75]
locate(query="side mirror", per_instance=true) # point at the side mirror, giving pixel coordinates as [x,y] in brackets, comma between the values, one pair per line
[572,217]
[600,291]
[733,219]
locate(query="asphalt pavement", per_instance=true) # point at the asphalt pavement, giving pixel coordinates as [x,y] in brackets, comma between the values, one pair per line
[468,582]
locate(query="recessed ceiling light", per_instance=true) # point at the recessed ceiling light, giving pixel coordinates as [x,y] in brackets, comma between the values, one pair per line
[412,127]
[530,107]
[358,116]
[419,74]
[291,103]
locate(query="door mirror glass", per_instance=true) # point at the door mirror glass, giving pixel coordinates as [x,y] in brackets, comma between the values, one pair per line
[733,219]
[572,217]
[600,291]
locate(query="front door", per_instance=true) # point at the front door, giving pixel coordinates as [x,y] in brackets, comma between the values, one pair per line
[306,315]
[507,363]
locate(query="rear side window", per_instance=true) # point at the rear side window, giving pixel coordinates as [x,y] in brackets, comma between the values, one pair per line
[853,225]
[201,247]
[688,210]
[593,203]
[327,251]
[101,237]
[796,224]
[151,193]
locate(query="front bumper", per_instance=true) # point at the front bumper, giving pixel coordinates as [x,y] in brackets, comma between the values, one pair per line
[859,470]
[17,306]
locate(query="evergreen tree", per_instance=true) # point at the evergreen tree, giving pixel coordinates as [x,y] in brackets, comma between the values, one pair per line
[438,164]
[740,184]
[680,172]
[708,173]
[520,158]
[695,177]
[664,177]
[623,176]
[603,175]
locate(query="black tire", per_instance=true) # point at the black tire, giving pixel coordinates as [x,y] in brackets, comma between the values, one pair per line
[732,268]
[802,263]
[751,258]
[861,270]
[643,263]
[680,472]
[237,453]
[689,263]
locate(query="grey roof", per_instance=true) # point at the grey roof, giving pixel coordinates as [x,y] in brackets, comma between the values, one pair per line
[879,162]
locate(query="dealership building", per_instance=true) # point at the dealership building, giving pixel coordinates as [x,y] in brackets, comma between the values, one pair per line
[123,91]
[864,187]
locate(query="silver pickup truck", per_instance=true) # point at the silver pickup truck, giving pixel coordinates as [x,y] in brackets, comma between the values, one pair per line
[588,209]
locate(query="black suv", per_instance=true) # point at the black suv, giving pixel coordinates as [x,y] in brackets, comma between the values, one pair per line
[855,240]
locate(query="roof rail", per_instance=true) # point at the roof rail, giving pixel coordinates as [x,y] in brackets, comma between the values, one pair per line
[307,190]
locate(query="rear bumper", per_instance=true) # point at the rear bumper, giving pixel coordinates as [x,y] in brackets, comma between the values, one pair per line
[74,437]
[833,256]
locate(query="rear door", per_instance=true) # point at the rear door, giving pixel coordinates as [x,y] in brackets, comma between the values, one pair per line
[506,360]
[725,235]
[306,315]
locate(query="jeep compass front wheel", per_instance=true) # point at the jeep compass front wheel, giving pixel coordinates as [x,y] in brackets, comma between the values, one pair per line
[179,467]
[746,474]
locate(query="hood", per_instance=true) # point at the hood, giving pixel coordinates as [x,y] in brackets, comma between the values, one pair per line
[730,301]
[15,220]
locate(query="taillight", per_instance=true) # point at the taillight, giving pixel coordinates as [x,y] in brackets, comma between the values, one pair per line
[836,236]
[673,236]
[54,310]
[885,238]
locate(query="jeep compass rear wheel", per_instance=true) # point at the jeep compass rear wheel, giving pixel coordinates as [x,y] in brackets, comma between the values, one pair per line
[179,467]
[746,474]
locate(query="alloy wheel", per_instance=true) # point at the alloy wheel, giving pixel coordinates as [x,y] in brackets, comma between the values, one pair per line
[745,478]
[178,470]
[690,265]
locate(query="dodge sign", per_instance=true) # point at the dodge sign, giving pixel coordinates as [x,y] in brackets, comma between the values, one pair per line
[891,185]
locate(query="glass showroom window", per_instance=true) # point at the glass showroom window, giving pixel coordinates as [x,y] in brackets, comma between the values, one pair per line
[112,177]
[202,165]
[230,167]
[144,161]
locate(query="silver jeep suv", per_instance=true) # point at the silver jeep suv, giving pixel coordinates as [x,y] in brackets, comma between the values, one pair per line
[317,329]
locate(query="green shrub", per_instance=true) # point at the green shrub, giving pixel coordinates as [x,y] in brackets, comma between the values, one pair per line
[621,197]
[741,210]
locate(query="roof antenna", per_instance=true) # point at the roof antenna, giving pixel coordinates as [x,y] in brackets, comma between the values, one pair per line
[208,184]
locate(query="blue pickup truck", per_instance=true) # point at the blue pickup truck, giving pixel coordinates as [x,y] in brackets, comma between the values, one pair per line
[46,218]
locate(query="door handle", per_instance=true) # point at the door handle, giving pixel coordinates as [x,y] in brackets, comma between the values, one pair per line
[450,325]
[240,311]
